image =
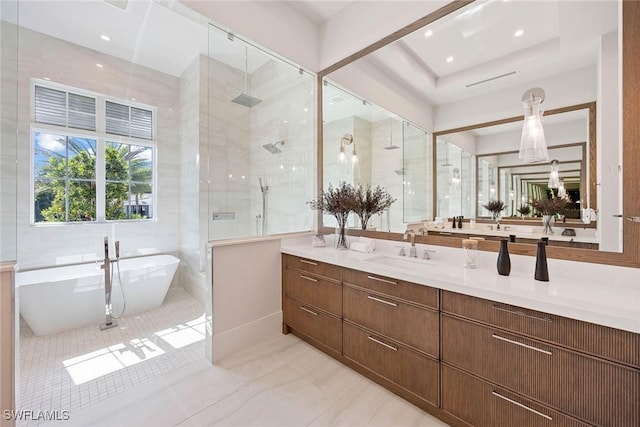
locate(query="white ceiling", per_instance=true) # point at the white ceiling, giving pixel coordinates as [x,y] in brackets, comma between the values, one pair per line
[319,11]
[558,36]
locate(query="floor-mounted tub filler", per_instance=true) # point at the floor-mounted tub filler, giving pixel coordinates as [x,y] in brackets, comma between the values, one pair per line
[63,298]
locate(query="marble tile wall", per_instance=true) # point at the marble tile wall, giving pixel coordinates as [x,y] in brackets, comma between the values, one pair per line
[43,56]
[191,277]
[8,116]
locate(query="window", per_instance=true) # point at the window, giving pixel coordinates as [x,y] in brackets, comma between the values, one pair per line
[129,181]
[81,172]
[65,178]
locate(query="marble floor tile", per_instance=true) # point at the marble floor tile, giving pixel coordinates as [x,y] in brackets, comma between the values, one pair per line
[281,382]
[280,398]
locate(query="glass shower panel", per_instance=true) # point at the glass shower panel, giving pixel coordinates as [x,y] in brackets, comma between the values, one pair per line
[417,174]
[260,141]
[8,134]
[455,180]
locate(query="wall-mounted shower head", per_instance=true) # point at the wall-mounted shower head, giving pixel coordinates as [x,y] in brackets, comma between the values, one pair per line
[273,147]
[400,172]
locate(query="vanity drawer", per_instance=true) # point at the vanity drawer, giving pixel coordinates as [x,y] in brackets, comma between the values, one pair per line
[314,323]
[404,367]
[407,291]
[481,404]
[595,390]
[314,290]
[613,344]
[316,267]
[414,326]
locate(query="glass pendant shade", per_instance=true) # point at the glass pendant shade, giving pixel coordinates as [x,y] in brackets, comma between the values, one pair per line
[533,145]
[554,178]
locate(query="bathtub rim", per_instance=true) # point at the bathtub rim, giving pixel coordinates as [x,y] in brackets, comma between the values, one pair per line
[171,259]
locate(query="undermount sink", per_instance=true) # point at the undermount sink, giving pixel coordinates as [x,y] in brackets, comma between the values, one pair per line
[400,262]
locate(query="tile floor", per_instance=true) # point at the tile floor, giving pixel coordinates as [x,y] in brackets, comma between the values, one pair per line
[281,382]
[83,367]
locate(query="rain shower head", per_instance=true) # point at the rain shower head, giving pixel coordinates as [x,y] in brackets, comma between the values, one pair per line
[391,147]
[246,100]
[273,148]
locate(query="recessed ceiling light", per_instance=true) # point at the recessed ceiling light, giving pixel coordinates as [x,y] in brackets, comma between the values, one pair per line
[99,65]
[133,99]
[428,33]
[518,33]
[105,37]
[47,78]
[449,58]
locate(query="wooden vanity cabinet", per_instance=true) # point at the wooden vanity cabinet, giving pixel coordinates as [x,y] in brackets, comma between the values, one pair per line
[312,301]
[391,328]
[467,360]
[582,386]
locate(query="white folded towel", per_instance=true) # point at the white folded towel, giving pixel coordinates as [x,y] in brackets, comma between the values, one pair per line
[363,244]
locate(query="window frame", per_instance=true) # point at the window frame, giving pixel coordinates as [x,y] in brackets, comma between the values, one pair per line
[102,139]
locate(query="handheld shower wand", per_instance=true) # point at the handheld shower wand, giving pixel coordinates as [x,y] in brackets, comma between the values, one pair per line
[109,321]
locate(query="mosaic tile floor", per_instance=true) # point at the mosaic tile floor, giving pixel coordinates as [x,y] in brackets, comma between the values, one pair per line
[76,369]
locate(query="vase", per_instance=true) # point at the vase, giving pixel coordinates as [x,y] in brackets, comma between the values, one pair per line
[340,240]
[548,221]
[542,270]
[504,262]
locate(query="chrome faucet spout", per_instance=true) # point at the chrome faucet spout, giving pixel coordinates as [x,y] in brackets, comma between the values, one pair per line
[412,234]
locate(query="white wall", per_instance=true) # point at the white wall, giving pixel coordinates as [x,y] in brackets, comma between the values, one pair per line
[46,245]
[609,123]
[244,296]
[274,25]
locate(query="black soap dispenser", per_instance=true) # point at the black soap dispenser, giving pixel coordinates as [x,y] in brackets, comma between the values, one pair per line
[504,262]
[460,221]
[542,271]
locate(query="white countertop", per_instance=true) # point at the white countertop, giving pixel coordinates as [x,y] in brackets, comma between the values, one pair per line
[600,294]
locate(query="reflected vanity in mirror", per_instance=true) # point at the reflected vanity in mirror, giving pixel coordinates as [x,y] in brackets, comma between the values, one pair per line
[470,64]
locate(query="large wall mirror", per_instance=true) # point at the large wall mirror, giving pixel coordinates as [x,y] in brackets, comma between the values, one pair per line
[470,63]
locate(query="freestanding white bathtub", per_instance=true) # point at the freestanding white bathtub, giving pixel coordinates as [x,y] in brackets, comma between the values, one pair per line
[62,298]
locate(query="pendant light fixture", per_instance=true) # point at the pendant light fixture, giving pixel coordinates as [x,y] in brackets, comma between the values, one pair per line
[554,177]
[533,145]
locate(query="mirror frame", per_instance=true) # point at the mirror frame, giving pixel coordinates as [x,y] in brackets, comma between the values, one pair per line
[630,255]
[593,153]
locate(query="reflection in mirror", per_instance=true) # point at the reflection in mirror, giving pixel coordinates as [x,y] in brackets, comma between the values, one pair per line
[455,179]
[473,66]
[365,144]
[417,175]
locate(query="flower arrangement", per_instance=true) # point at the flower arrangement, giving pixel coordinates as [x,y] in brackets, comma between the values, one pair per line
[339,202]
[551,206]
[370,201]
[524,210]
[495,207]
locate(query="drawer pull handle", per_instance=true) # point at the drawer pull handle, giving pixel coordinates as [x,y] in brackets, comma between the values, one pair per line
[308,311]
[520,313]
[311,279]
[498,337]
[521,405]
[382,343]
[393,304]
[391,282]
[308,262]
